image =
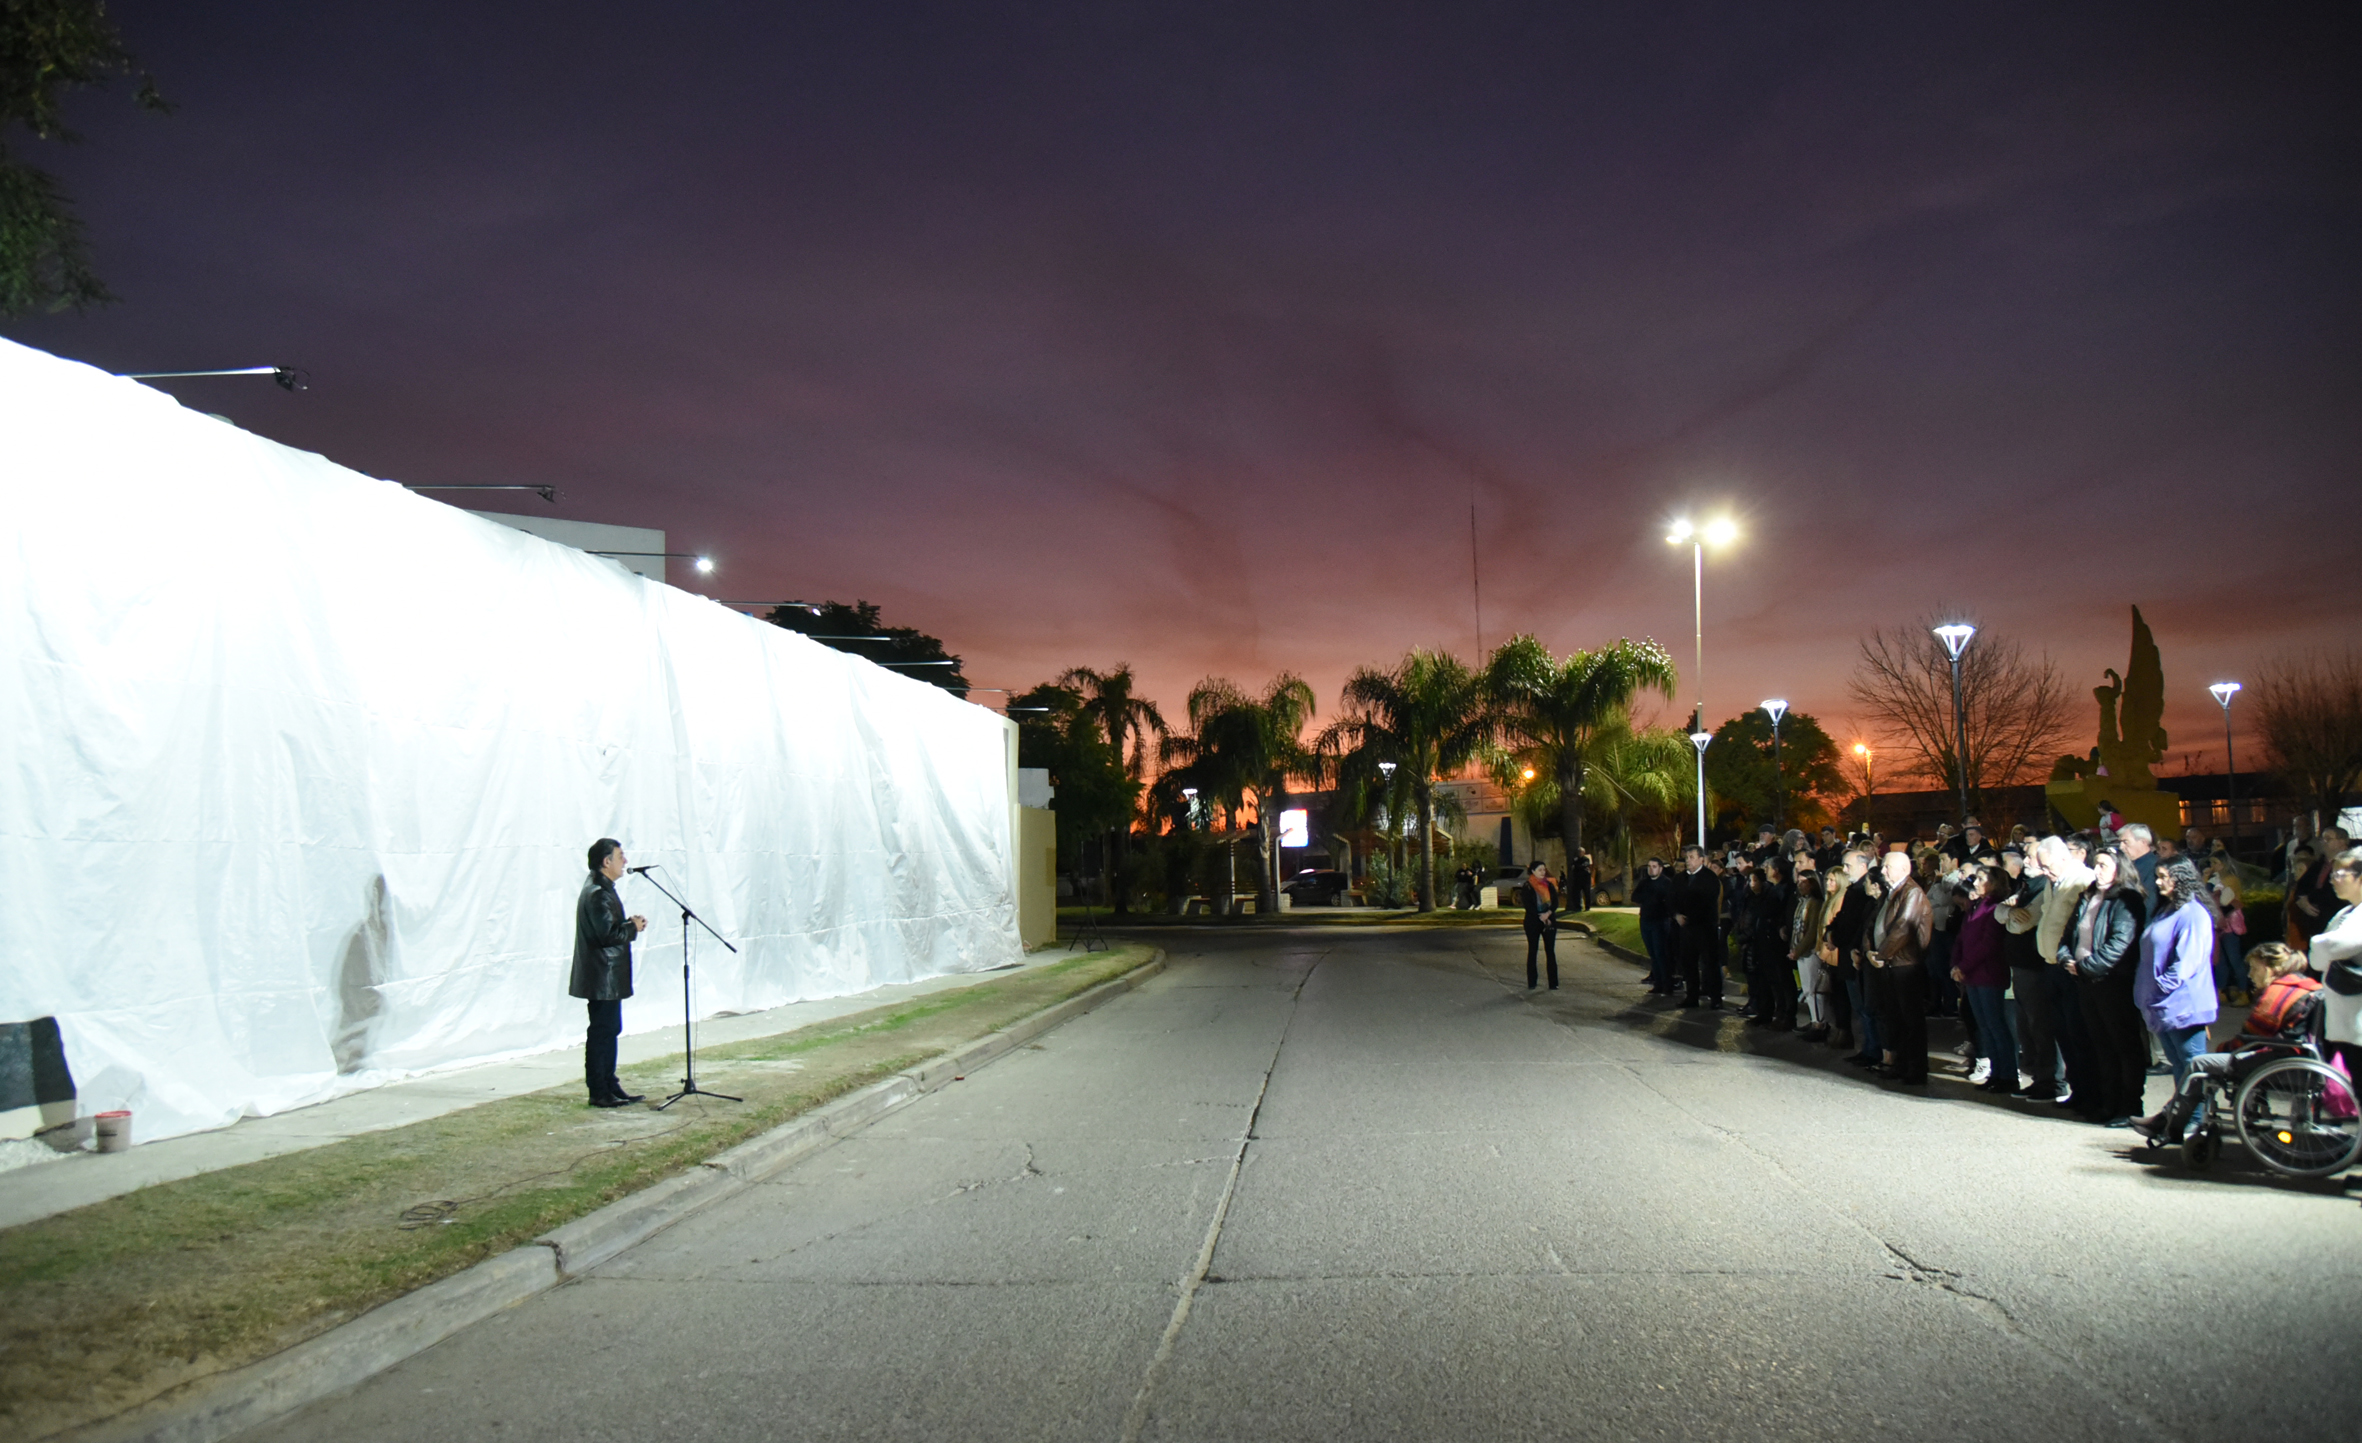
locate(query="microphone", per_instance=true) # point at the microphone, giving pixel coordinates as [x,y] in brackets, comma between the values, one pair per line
[651,867]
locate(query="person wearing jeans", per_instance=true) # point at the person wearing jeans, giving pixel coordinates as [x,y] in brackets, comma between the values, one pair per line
[2174,986]
[1983,974]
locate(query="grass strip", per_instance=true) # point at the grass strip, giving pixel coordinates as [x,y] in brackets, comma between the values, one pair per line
[1617,925]
[106,1306]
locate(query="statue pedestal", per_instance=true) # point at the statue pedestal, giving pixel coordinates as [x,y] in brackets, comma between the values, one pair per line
[2078,800]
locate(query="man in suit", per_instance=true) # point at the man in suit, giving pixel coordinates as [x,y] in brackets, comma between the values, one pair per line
[1697,945]
[603,970]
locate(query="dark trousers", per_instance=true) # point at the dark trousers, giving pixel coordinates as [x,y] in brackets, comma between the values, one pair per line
[2038,1044]
[1942,992]
[1700,954]
[1542,936]
[1905,1030]
[1842,988]
[1995,1043]
[2119,1044]
[2075,1047]
[598,1049]
[1660,954]
[1877,1009]
[1778,1005]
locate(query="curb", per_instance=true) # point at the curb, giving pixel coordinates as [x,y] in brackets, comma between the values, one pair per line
[1604,945]
[350,1353]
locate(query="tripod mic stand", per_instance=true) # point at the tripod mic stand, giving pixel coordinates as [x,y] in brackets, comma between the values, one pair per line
[688,1043]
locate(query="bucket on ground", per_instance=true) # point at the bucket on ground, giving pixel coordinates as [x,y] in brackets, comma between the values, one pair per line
[113,1130]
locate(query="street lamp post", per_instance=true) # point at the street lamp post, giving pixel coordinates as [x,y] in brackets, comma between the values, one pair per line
[2223,692]
[1778,709]
[1869,783]
[1720,531]
[1955,639]
[1698,739]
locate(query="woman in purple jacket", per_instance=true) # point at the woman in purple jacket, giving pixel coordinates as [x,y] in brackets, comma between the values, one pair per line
[1983,974]
[2174,987]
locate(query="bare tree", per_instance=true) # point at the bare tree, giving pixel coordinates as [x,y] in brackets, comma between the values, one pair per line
[2019,709]
[2309,709]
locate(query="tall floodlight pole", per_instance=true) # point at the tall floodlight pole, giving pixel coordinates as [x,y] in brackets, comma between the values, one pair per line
[1698,739]
[1719,531]
[1955,639]
[2223,692]
[1778,709]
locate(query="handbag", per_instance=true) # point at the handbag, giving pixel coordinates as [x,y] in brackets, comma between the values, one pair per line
[2338,1102]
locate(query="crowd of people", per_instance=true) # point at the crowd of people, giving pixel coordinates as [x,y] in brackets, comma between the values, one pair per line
[2074,962]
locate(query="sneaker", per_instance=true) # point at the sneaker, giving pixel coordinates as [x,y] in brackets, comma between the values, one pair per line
[1982,1072]
[1965,1049]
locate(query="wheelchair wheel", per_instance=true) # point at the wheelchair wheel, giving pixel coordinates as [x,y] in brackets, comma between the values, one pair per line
[2289,1116]
[2200,1148]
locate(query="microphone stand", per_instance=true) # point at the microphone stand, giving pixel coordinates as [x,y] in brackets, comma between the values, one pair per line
[688,1045]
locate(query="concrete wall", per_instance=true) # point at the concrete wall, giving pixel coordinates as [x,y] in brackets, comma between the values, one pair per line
[1037,876]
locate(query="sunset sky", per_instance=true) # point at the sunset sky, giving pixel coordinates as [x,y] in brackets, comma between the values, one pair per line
[1187,335]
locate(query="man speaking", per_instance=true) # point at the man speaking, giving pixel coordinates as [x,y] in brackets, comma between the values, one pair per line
[603,970]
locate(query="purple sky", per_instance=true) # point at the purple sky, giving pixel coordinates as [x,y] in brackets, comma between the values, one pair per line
[1187,335]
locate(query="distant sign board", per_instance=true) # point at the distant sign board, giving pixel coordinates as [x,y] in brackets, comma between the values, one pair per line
[1293,830]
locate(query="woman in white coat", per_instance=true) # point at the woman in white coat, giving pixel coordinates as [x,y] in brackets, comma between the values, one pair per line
[2336,953]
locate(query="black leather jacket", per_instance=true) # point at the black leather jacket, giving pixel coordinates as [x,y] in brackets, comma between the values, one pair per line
[2115,932]
[602,944]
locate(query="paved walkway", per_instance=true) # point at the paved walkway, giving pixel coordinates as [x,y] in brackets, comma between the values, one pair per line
[75,1180]
[1321,1186]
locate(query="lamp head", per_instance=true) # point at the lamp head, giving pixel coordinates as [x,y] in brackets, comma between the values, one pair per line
[1528,774]
[705,565]
[1189,792]
[1777,709]
[1682,531]
[1699,740]
[2224,691]
[1387,768]
[1860,750]
[1721,531]
[1955,637]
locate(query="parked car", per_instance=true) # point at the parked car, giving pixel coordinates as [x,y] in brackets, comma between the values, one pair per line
[1317,888]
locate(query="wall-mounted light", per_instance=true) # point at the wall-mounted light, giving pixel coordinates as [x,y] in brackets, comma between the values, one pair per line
[705,564]
[546,493]
[290,378]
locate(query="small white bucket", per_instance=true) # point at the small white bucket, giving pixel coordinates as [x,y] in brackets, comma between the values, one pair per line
[113,1131]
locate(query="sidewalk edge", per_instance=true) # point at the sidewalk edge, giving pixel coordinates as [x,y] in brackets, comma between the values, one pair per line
[220,1407]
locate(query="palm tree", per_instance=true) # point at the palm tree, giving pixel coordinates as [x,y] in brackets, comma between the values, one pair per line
[1647,771]
[1240,746]
[1554,712]
[1107,701]
[1431,714]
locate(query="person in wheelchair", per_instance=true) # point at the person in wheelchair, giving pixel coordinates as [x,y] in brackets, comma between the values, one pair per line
[2286,1020]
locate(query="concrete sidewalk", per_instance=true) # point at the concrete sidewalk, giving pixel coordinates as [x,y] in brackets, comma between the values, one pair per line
[75,1180]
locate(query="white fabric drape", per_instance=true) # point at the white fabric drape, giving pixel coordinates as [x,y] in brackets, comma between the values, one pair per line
[300,768]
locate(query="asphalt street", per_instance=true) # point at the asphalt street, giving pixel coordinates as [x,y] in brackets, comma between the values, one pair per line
[1330,1184]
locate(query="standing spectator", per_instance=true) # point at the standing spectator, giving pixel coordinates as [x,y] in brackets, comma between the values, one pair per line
[2021,911]
[2230,932]
[1653,895]
[1541,922]
[1581,874]
[2174,986]
[2312,898]
[1774,921]
[1982,971]
[1829,856]
[2111,821]
[1464,887]
[2101,952]
[2337,956]
[1844,934]
[2139,846]
[1804,949]
[1897,941]
[1697,911]
[1939,876]
[2064,877]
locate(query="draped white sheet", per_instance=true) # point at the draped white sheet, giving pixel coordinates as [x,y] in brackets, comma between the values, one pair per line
[298,768]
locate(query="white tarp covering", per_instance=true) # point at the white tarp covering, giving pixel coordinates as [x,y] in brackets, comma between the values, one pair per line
[297,770]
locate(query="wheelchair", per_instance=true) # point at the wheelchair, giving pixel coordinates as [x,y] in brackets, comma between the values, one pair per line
[2294,1113]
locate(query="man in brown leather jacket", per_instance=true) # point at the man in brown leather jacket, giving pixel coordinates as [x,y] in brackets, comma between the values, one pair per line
[1895,941]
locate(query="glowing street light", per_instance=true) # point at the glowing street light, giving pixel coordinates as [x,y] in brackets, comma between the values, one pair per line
[1955,638]
[705,564]
[1721,531]
[2223,692]
[1869,782]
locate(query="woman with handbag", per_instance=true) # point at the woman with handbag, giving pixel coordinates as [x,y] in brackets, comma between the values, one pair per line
[1541,922]
[1804,950]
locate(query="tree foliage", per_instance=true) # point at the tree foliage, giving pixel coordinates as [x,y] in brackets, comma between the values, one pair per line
[47,48]
[1745,788]
[2018,708]
[1125,718]
[2309,709]
[1240,748]
[1552,711]
[1057,732]
[1432,715]
[857,630]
